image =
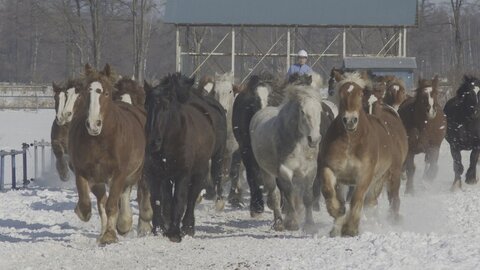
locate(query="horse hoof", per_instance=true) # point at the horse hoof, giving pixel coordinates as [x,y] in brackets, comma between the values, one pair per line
[64,177]
[278,225]
[144,228]
[219,204]
[349,232]
[109,237]
[209,196]
[85,217]
[256,210]
[457,185]
[188,230]
[409,191]
[471,181]
[174,237]
[292,225]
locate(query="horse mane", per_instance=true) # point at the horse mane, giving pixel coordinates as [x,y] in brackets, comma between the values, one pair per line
[466,82]
[352,77]
[225,77]
[317,80]
[300,92]
[178,86]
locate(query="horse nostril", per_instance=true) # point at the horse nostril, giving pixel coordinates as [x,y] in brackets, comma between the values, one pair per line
[355,120]
[309,138]
[345,120]
[69,114]
[98,123]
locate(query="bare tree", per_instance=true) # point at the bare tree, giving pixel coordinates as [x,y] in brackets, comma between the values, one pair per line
[458,43]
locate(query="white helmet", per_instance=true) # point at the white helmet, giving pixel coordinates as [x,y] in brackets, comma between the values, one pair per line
[302,53]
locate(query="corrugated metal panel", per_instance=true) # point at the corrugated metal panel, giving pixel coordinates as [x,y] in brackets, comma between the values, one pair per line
[380,63]
[288,12]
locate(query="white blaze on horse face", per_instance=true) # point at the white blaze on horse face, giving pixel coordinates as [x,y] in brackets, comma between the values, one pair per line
[476,89]
[312,117]
[263,94]
[71,98]
[350,88]
[208,87]
[126,98]
[372,99]
[224,94]
[94,116]
[396,88]
[431,111]
[61,107]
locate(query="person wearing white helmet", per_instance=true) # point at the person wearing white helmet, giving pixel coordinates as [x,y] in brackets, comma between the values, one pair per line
[301,66]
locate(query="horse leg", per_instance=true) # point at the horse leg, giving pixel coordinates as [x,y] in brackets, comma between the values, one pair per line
[99,190]
[410,167]
[393,189]
[188,222]
[144,208]
[308,198]
[316,189]
[286,187]
[350,227]
[111,207]
[180,198]
[273,200]
[254,182]
[166,200]
[471,176]
[210,185]
[235,195]
[432,159]
[84,205]
[218,168]
[457,167]
[61,160]
[333,201]
[125,221]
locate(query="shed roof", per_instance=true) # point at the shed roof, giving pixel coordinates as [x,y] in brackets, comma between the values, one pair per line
[379,63]
[366,13]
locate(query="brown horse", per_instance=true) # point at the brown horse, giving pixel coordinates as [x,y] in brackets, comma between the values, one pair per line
[360,150]
[426,127]
[65,97]
[107,145]
[129,91]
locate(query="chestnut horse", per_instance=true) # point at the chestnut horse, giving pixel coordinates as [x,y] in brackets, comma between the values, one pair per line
[65,98]
[181,140]
[463,128]
[426,126]
[107,145]
[360,150]
[395,93]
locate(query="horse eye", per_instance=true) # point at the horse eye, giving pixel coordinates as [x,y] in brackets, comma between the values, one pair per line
[107,94]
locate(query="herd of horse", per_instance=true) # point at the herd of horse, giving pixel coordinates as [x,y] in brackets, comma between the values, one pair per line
[176,139]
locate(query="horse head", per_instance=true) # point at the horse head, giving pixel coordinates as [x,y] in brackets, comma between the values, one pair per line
[395,93]
[129,91]
[261,87]
[469,96]
[426,100]
[72,92]
[351,94]
[206,86]
[336,75]
[308,104]
[98,97]
[60,98]
[297,79]
[224,90]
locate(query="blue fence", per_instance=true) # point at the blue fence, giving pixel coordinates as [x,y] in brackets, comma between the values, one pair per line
[12,154]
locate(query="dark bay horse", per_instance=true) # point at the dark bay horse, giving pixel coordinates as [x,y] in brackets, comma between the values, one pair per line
[396,93]
[129,91]
[107,146]
[251,99]
[65,97]
[426,126]
[463,128]
[181,140]
[360,150]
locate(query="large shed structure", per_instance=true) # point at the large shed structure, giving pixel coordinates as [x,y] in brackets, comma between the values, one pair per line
[228,19]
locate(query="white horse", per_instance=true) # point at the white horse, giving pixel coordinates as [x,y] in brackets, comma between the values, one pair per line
[285,142]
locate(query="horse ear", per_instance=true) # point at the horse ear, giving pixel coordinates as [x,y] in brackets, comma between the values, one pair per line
[88,69]
[107,70]
[337,75]
[133,77]
[56,87]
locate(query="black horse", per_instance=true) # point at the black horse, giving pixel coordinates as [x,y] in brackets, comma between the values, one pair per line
[181,140]
[251,99]
[463,128]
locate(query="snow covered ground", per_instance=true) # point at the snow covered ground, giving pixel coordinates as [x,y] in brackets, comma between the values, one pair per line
[39,230]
